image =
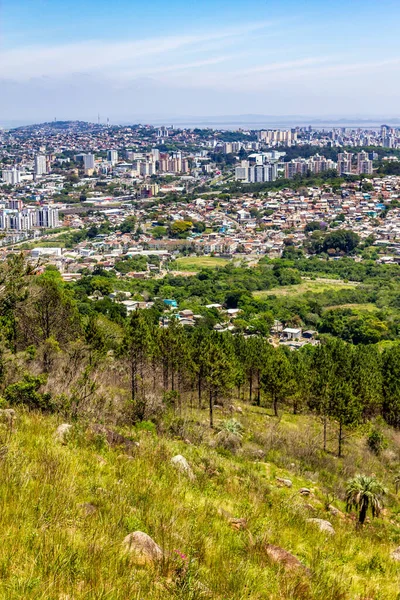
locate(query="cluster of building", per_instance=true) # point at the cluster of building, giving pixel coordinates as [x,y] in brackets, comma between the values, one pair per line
[15,216]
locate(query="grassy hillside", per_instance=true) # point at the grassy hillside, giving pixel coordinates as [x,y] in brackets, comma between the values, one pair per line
[67,507]
[315,286]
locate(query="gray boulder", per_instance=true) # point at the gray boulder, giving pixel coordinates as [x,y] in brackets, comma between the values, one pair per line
[182,465]
[395,554]
[286,482]
[7,415]
[143,548]
[62,433]
[323,525]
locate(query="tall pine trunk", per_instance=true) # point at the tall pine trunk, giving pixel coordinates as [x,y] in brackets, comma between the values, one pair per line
[340,439]
[211,409]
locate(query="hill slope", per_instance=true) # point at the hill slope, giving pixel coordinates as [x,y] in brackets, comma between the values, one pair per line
[67,507]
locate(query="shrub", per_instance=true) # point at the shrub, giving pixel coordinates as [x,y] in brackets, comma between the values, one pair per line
[376,442]
[26,392]
[232,426]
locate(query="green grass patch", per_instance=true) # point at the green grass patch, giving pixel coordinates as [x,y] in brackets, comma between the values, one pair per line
[196,263]
[315,287]
[367,307]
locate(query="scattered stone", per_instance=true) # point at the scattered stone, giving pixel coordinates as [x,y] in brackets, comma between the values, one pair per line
[396,554]
[305,492]
[283,557]
[143,547]
[336,512]
[259,454]
[183,466]
[7,415]
[238,524]
[227,440]
[286,482]
[126,457]
[62,432]
[309,507]
[113,438]
[323,525]
[234,408]
[87,508]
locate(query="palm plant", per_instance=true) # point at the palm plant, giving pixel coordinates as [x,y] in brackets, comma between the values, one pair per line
[364,492]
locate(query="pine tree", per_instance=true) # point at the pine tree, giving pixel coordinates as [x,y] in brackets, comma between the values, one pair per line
[135,348]
[277,378]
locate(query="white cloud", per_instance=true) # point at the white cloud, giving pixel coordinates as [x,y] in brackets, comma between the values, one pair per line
[98,56]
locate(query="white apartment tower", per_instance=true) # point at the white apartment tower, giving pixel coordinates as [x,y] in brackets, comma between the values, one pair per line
[11,176]
[40,165]
[88,161]
[112,157]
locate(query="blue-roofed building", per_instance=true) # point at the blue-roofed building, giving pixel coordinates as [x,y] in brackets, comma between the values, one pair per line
[171,303]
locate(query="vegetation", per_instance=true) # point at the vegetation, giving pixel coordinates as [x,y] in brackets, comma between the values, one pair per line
[273,438]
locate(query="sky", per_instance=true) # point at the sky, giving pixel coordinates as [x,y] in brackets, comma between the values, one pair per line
[132,60]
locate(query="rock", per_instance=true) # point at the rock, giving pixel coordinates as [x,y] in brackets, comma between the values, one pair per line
[283,557]
[62,433]
[336,512]
[286,482]
[395,554]
[259,454]
[143,547]
[234,408]
[228,441]
[183,466]
[305,491]
[87,508]
[113,438]
[309,507]
[238,524]
[323,525]
[125,457]
[7,415]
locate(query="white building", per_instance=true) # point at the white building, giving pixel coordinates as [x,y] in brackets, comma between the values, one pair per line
[47,217]
[40,165]
[256,173]
[88,161]
[11,176]
[112,157]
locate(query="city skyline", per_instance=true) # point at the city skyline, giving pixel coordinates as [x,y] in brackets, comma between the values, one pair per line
[182,60]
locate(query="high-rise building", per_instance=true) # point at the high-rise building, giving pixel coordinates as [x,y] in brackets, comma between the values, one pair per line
[112,156]
[15,204]
[88,161]
[256,173]
[344,163]
[11,176]
[47,217]
[40,165]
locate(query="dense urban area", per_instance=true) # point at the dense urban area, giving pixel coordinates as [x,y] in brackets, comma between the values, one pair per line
[200,345]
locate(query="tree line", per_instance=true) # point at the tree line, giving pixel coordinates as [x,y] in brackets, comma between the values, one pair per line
[42,323]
